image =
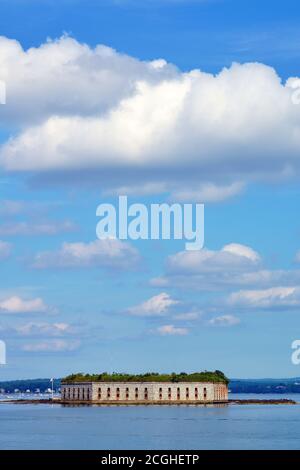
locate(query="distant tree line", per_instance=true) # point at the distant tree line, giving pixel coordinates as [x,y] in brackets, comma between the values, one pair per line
[278,386]
[28,384]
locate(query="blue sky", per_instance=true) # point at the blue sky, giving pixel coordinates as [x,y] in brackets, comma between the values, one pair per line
[151,113]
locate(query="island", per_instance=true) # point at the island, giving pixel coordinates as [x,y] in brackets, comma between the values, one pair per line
[150,388]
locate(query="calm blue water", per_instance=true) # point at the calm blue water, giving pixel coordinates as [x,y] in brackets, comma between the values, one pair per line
[151,427]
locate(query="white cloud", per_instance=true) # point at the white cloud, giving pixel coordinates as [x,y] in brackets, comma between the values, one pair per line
[18,305]
[82,108]
[241,251]
[208,269]
[65,78]
[37,228]
[41,329]
[55,346]
[14,207]
[171,330]
[275,297]
[5,250]
[233,256]
[207,192]
[45,329]
[11,207]
[155,306]
[232,266]
[108,253]
[138,189]
[224,320]
[189,316]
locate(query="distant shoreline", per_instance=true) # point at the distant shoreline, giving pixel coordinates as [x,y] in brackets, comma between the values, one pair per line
[283,401]
[278,386]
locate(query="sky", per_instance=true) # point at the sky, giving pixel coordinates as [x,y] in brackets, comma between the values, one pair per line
[172,101]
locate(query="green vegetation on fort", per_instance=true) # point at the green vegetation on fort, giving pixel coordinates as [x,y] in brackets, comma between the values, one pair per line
[216,377]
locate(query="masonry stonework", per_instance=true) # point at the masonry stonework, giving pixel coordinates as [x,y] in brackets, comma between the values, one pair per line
[144,392]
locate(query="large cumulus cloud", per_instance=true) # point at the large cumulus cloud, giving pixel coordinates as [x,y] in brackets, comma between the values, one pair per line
[80,109]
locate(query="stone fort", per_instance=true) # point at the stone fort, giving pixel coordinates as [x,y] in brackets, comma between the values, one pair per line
[112,392]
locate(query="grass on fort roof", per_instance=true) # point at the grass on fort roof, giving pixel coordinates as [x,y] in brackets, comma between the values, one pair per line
[206,376]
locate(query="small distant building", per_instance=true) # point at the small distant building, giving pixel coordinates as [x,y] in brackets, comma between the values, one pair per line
[144,392]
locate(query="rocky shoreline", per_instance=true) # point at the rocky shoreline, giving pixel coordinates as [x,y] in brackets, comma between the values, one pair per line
[283,401]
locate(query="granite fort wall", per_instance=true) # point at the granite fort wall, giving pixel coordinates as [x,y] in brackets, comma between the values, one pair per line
[144,392]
